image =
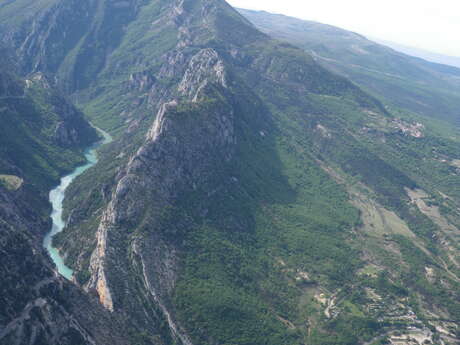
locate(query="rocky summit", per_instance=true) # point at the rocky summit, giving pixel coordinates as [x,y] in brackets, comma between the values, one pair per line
[250,196]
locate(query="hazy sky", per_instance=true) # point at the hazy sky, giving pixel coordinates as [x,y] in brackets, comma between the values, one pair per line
[428,24]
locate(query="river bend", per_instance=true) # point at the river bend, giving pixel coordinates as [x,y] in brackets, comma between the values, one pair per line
[56,198]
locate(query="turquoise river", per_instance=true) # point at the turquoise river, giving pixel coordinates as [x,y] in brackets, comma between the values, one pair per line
[56,198]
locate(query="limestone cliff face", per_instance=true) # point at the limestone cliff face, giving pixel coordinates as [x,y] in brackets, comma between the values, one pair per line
[70,128]
[44,40]
[205,67]
[35,116]
[186,141]
[37,305]
[98,279]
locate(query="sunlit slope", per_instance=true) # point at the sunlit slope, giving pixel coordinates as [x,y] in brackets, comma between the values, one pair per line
[420,86]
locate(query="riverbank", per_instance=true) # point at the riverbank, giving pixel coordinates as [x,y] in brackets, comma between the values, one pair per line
[56,198]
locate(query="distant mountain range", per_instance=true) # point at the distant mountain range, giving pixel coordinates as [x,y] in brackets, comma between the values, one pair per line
[421,53]
[398,79]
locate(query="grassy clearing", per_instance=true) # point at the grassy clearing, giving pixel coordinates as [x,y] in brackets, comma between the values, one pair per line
[379,221]
[11,182]
[456,163]
[370,270]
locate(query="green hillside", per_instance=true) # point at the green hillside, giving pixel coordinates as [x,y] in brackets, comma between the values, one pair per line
[42,135]
[400,80]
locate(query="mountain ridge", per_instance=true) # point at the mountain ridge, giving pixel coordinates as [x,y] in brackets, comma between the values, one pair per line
[42,137]
[406,82]
[427,55]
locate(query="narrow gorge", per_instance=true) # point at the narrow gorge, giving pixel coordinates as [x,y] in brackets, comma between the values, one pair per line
[56,198]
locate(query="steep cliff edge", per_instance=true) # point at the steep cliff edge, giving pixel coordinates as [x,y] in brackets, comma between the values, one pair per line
[38,306]
[41,137]
[177,183]
[38,125]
